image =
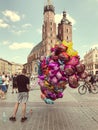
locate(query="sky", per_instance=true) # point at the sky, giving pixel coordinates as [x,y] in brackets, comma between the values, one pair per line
[21,25]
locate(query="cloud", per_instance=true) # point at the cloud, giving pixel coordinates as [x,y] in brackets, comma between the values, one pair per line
[21,29]
[6,43]
[27,26]
[94,46]
[24,45]
[58,18]
[13,16]
[16,58]
[39,31]
[18,32]
[3,24]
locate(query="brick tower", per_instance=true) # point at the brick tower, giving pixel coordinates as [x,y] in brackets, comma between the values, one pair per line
[49,27]
[49,36]
[65,29]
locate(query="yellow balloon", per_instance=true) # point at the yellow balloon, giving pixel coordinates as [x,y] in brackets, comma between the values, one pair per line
[68,44]
[72,52]
[47,85]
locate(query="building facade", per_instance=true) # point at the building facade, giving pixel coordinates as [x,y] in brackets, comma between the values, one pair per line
[51,34]
[5,66]
[16,68]
[10,67]
[91,61]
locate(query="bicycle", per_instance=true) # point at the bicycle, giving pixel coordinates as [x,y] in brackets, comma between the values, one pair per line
[82,89]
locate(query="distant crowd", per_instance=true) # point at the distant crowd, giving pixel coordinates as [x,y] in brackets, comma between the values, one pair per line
[5,81]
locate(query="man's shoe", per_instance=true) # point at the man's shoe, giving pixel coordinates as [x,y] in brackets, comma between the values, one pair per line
[23,119]
[12,118]
[3,98]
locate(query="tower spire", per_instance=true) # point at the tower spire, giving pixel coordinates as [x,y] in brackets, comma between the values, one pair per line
[49,7]
[49,2]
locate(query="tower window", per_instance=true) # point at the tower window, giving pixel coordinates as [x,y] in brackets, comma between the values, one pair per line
[51,29]
[50,23]
[67,37]
[67,30]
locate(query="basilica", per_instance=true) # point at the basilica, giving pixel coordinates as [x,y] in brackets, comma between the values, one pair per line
[51,34]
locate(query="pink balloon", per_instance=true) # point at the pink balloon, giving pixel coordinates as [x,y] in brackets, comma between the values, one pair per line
[51,65]
[41,83]
[59,75]
[73,61]
[51,74]
[54,80]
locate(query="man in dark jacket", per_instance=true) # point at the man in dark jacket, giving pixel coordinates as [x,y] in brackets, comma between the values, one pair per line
[23,94]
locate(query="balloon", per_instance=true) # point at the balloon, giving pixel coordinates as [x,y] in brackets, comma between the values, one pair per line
[54,80]
[64,56]
[59,95]
[48,101]
[60,48]
[71,52]
[52,96]
[51,65]
[69,70]
[60,68]
[68,44]
[80,68]
[51,73]
[83,75]
[42,77]
[58,75]
[73,61]
[48,85]
[43,96]
[41,82]
[73,81]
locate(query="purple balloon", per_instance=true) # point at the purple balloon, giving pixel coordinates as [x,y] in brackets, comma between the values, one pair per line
[59,95]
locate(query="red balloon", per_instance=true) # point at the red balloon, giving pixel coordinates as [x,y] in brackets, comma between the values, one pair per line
[80,68]
[64,56]
[69,70]
[83,75]
[73,81]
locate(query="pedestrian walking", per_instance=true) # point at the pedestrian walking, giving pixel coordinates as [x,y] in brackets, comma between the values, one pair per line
[14,84]
[6,82]
[22,97]
[2,88]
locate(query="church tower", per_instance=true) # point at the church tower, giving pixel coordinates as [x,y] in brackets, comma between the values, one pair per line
[65,29]
[49,36]
[49,27]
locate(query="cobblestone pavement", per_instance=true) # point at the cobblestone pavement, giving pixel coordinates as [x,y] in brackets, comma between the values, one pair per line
[72,112]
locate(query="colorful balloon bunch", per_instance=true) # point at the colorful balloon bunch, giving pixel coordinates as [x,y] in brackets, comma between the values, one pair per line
[61,67]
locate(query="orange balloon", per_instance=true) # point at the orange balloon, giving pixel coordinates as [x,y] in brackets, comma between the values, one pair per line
[43,96]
